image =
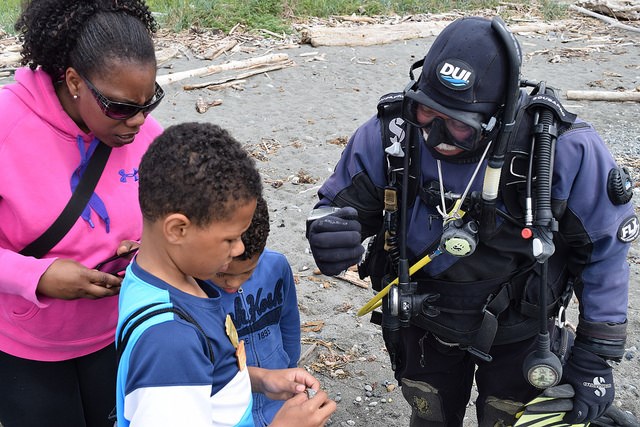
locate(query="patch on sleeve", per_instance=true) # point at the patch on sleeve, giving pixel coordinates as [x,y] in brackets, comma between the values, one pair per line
[629,229]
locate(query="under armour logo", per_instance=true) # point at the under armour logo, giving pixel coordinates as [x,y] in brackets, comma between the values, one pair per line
[124,175]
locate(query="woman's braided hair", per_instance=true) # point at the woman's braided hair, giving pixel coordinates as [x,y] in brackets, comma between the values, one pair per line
[85,34]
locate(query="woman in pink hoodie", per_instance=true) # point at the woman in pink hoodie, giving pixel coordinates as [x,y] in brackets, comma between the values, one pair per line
[90,80]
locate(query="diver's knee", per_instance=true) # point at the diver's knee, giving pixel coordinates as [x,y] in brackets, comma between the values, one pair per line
[426,404]
[499,412]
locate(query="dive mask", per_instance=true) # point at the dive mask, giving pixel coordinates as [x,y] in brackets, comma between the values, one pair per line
[462,129]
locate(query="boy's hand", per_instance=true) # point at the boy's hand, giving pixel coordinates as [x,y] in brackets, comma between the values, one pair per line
[281,384]
[302,411]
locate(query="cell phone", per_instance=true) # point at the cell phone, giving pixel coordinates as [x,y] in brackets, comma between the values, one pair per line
[116,264]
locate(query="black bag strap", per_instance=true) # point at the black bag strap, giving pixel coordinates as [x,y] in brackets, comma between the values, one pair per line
[135,319]
[79,199]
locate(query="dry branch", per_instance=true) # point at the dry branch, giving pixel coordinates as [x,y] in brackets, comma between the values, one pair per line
[600,95]
[606,19]
[216,68]
[240,77]
[306,355]
[219,50]
[353,278]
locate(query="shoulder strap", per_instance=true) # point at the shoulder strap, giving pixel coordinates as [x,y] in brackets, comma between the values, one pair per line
[79,199]
[395,134]
[135,319]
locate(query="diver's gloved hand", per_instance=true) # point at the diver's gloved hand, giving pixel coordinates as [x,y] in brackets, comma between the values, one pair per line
[592,380]
[335,241]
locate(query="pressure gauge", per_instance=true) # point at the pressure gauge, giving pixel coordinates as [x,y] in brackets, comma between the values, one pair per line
[543,375]
[542,368]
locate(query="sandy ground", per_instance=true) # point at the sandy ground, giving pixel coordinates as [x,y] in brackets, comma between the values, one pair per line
[293,121]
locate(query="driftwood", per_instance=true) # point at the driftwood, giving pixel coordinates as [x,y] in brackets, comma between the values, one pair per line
[306,355]
[163,55]
[369,35]
[374,34]
[353,278]
[240,77]
[355,18]
[10,58]
[611,21]
[221,49]
[216,68]
[619,9]
[601,95]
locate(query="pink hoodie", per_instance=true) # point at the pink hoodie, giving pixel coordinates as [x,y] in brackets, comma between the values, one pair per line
[38,155]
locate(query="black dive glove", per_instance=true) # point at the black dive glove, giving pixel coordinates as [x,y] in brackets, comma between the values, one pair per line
[335,241]
[592,380]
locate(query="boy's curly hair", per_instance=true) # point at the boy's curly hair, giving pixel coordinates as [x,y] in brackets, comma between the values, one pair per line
[87,35]
[199,170]
[255,238]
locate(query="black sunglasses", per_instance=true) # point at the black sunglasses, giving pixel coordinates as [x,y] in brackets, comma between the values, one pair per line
[122,110]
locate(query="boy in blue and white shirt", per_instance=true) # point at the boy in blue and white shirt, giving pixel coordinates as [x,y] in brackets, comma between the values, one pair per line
[186,366]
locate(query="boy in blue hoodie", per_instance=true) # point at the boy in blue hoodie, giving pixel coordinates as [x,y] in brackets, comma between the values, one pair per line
[259,293]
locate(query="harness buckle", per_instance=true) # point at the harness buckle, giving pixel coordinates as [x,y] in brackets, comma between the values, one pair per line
[480,354]
[486,306]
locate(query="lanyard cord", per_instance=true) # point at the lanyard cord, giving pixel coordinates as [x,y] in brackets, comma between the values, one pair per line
[442,210]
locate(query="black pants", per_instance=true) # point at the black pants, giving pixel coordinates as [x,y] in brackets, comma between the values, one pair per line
[451,371]
[73,393]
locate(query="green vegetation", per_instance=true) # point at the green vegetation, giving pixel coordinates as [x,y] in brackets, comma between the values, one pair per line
[9,10]
[277,15]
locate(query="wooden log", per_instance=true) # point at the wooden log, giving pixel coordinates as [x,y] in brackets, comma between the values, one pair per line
[216,68]
[374,34]
[368,35]
[601,95]
[624,10]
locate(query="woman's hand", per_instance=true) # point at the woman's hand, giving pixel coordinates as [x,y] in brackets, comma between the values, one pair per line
[68,279]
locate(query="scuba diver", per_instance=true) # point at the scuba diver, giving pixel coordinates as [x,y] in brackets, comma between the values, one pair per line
[488,206]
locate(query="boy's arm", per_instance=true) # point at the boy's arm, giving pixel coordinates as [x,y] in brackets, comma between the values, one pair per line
[290,318]
[169,380]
